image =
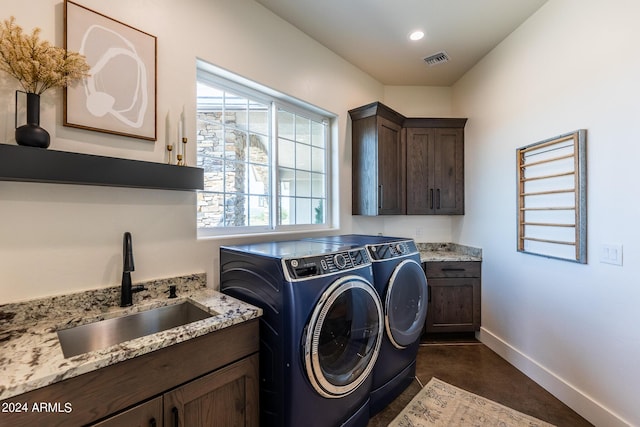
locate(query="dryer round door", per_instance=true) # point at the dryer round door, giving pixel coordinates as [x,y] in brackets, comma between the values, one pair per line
[406,301]
[343,337]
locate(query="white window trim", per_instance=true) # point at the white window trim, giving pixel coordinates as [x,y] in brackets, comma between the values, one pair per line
[226,80]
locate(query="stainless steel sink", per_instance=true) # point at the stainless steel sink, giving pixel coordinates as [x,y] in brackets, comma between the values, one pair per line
[105,333]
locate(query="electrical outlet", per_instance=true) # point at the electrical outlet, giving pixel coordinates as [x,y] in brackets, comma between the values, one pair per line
[611,254]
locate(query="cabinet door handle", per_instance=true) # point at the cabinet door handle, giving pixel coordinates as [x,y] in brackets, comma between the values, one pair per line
[431,198]
[176,417]
[438,191]
[453,269]
[428,293]
[152,422]
[380,196]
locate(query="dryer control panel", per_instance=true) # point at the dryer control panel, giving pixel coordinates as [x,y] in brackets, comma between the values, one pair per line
[324,264]
[390,250]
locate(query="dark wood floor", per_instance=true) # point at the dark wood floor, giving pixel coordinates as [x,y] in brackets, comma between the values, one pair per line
[472,366]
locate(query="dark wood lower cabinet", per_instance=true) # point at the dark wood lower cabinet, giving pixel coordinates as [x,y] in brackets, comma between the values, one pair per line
[225,398]
[211,380]
[148,414]
[454,296]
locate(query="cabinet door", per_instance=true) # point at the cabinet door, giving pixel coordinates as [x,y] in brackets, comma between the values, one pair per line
[148,414]
[448,169]
[391,166]
[454,305]
[225,398]
[420,185]
[435,171]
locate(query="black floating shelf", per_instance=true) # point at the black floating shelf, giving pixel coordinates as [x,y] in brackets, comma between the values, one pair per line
[30,164]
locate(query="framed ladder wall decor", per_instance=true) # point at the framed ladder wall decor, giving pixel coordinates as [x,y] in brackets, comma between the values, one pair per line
[552,190]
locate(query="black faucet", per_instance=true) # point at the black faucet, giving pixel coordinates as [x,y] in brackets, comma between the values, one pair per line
[126,290]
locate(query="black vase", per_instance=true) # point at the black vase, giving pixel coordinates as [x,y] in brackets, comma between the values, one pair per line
[32,134]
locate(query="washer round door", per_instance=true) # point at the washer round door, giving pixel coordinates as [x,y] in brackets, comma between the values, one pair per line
[343,337]
[405,305]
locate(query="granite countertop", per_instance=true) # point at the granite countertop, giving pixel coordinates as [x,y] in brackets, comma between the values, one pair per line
[434,252]
[30,353]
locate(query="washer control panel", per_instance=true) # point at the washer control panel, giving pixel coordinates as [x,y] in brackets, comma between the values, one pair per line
[390,250]
[319,265]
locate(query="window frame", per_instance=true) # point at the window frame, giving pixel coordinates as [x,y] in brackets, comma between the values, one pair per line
[226,81]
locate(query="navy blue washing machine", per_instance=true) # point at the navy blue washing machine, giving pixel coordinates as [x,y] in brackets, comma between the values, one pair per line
[402,286]
[321,329]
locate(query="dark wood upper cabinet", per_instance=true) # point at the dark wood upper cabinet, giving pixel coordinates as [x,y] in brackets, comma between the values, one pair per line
[405,165]
[435,167]
[378,161]
[420,177]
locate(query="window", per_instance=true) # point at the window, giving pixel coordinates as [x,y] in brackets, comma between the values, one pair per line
[265,159]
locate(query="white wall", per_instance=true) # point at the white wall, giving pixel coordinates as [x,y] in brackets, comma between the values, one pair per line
[56,239]
[60,238]
[574,328]
[419,101]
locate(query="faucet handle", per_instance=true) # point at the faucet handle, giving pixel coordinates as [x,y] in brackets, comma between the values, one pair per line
[172,291]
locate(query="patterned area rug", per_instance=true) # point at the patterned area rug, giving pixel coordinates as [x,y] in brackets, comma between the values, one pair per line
[441,404]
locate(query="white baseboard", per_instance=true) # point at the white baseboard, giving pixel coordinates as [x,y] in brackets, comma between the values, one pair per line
[587,407]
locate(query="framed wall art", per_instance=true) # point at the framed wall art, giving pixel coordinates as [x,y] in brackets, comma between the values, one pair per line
[120,95]
[552,192]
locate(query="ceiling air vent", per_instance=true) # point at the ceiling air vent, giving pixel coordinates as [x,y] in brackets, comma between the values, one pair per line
[437,58]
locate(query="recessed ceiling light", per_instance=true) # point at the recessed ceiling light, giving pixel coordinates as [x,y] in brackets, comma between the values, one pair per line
[416,35]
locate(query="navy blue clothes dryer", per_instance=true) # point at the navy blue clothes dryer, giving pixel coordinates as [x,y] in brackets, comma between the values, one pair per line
[320,332]
[402,286]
